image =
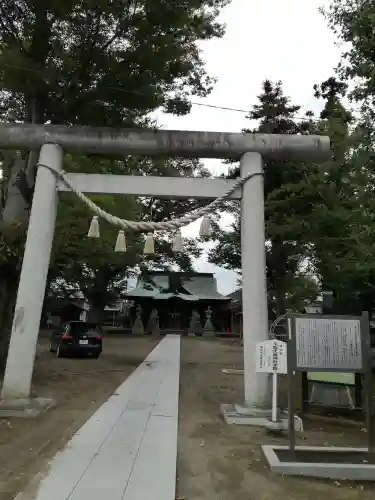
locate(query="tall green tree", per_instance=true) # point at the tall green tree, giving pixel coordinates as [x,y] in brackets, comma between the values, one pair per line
[353,22]
[344,231]
[98,63]
[319,218]
[285,203]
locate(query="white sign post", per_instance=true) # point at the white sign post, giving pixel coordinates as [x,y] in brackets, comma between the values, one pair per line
[272,358]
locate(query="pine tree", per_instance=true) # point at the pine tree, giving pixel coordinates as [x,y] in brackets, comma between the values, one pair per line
[318,217]
[344,232]
[284,201]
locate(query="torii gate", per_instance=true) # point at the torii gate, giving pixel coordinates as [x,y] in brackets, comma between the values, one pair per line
[55,139]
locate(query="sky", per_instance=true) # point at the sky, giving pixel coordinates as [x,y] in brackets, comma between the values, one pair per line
[285,40]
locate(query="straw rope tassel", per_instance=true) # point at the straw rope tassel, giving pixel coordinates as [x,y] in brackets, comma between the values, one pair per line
[177,242]
[120,242]
[149,248]
[205,229]
[94,231]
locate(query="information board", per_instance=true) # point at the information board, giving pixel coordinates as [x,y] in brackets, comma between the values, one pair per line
[325,344]
[337,345]
[271,357]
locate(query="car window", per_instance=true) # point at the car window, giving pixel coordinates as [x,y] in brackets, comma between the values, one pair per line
[81,328]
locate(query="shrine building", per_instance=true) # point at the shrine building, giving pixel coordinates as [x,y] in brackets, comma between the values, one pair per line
[175,296]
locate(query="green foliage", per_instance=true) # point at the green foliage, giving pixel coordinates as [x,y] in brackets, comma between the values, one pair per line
[353,22]
[350,273]
[12,239]
[158,210]
[302,293]
[102,62]
[319,218]
[287,201]
[97,63]
[91,266]
[344,237]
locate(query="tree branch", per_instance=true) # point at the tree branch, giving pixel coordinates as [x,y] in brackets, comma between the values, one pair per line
[9,28]
[117,30]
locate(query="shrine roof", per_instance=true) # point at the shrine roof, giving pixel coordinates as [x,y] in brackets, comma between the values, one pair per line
[192,287]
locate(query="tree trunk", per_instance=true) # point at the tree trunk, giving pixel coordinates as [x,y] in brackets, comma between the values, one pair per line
[96,314]
[18,198]
[16,209]
[16,195]
[17,202]
[280,301]
[8,291]
[278,261]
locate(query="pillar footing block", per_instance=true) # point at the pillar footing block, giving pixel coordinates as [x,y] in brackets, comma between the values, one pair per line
[24,407]
[260,418]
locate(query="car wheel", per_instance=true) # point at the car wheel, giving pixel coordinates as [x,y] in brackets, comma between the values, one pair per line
[95,356]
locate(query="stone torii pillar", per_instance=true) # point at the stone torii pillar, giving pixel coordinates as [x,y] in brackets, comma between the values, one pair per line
[254,284]
[32,285]
[250,148]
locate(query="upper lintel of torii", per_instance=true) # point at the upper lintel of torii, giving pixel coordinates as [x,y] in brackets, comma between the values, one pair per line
[198,144]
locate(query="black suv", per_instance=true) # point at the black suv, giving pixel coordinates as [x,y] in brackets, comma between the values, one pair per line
[77,338]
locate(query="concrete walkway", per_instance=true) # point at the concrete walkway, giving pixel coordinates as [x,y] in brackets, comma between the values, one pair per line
[128,449]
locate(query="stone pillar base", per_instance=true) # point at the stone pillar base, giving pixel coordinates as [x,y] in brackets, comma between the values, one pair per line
[25,407]
[258,417]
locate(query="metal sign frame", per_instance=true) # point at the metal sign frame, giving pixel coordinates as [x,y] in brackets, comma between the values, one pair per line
[357,388]
[365,369]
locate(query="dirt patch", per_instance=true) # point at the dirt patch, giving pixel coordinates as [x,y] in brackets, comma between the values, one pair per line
[224,462]
[79,387]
